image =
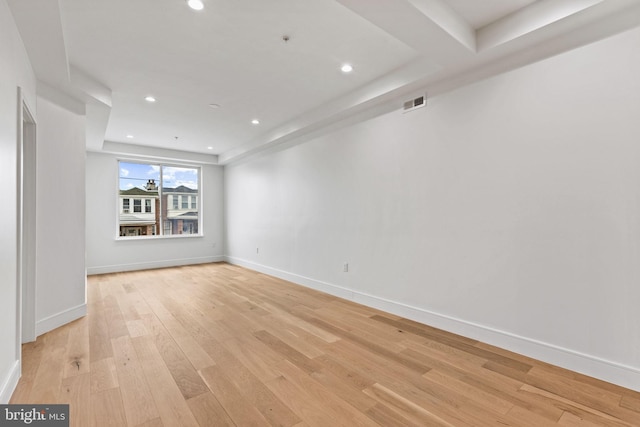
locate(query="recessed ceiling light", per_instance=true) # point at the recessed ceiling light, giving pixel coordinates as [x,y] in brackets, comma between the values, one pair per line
[255,121]
[129,136]
[209,148]
[347,68]
[195,4]
[150,98]
[214,106]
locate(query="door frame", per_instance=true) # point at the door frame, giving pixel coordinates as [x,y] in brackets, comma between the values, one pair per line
[26,224]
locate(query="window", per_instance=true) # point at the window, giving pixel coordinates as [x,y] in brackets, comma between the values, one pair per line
[169,193]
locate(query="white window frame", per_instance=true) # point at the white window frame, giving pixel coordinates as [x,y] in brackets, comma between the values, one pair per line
[163,220]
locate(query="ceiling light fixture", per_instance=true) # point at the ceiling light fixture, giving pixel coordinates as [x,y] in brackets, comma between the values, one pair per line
[255,121]
[150,98]
[195,4]
[129,136]
[347,68]
[209,148]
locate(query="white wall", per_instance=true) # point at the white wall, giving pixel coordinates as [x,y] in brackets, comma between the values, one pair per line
[60,217]
[106,254]
[15,71]
[508,211]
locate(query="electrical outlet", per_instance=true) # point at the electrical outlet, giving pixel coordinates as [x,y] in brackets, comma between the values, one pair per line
[345,267]
[257,250]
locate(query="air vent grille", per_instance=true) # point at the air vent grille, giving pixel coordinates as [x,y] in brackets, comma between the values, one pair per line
[415,103]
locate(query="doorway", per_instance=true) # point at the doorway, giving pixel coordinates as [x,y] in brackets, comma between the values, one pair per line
[26,223]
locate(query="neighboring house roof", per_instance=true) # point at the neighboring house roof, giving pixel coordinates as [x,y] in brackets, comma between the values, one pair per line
[178,189]
[136,220]
[135,191]
[186,215]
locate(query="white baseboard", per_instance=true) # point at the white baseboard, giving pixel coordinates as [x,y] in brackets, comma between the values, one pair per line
[117,268]
[9,383]
[55,321]
[606,370]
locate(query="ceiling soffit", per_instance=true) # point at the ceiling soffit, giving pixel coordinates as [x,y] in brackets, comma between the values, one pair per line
[111,55]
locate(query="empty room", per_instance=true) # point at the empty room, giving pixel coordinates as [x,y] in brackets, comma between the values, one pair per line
[320,213]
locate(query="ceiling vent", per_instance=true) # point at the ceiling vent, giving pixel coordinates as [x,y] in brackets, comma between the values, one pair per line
[413,104]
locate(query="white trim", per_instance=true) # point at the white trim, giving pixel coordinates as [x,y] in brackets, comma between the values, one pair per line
[154,154]
[8,384]
[104,269]
[318,285]
[59,319]
[607,370]
[26,274]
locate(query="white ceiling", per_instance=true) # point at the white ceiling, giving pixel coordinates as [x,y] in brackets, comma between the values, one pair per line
[109,55]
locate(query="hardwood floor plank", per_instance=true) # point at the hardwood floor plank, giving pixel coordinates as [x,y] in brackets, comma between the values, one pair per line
[630,402]
[406,408]
[577,408]
[103,375]
[76,391]
[189,346]
[312,412]
[343,389]
[208,411]
[232,399]
[32,354]
[385,416]
[455,341]
[169,401]
[50,371]
[289,353]
[331,403]
[115,320]
[258,357]
[598,400]
[373,347]
[183,373]
[570,420]
[77,351]
[156,422]
[136,328]
[479,396]
[99,340]
[220,345]
[302,324]
[295,337]
[258,395]
[106,409]
[139,406]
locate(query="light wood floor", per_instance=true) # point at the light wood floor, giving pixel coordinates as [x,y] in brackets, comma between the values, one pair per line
[218,345]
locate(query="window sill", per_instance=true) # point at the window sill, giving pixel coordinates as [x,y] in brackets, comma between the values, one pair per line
[174,236]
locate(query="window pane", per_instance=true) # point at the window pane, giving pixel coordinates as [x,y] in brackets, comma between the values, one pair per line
[137,181]
[179,184]
[170,210]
